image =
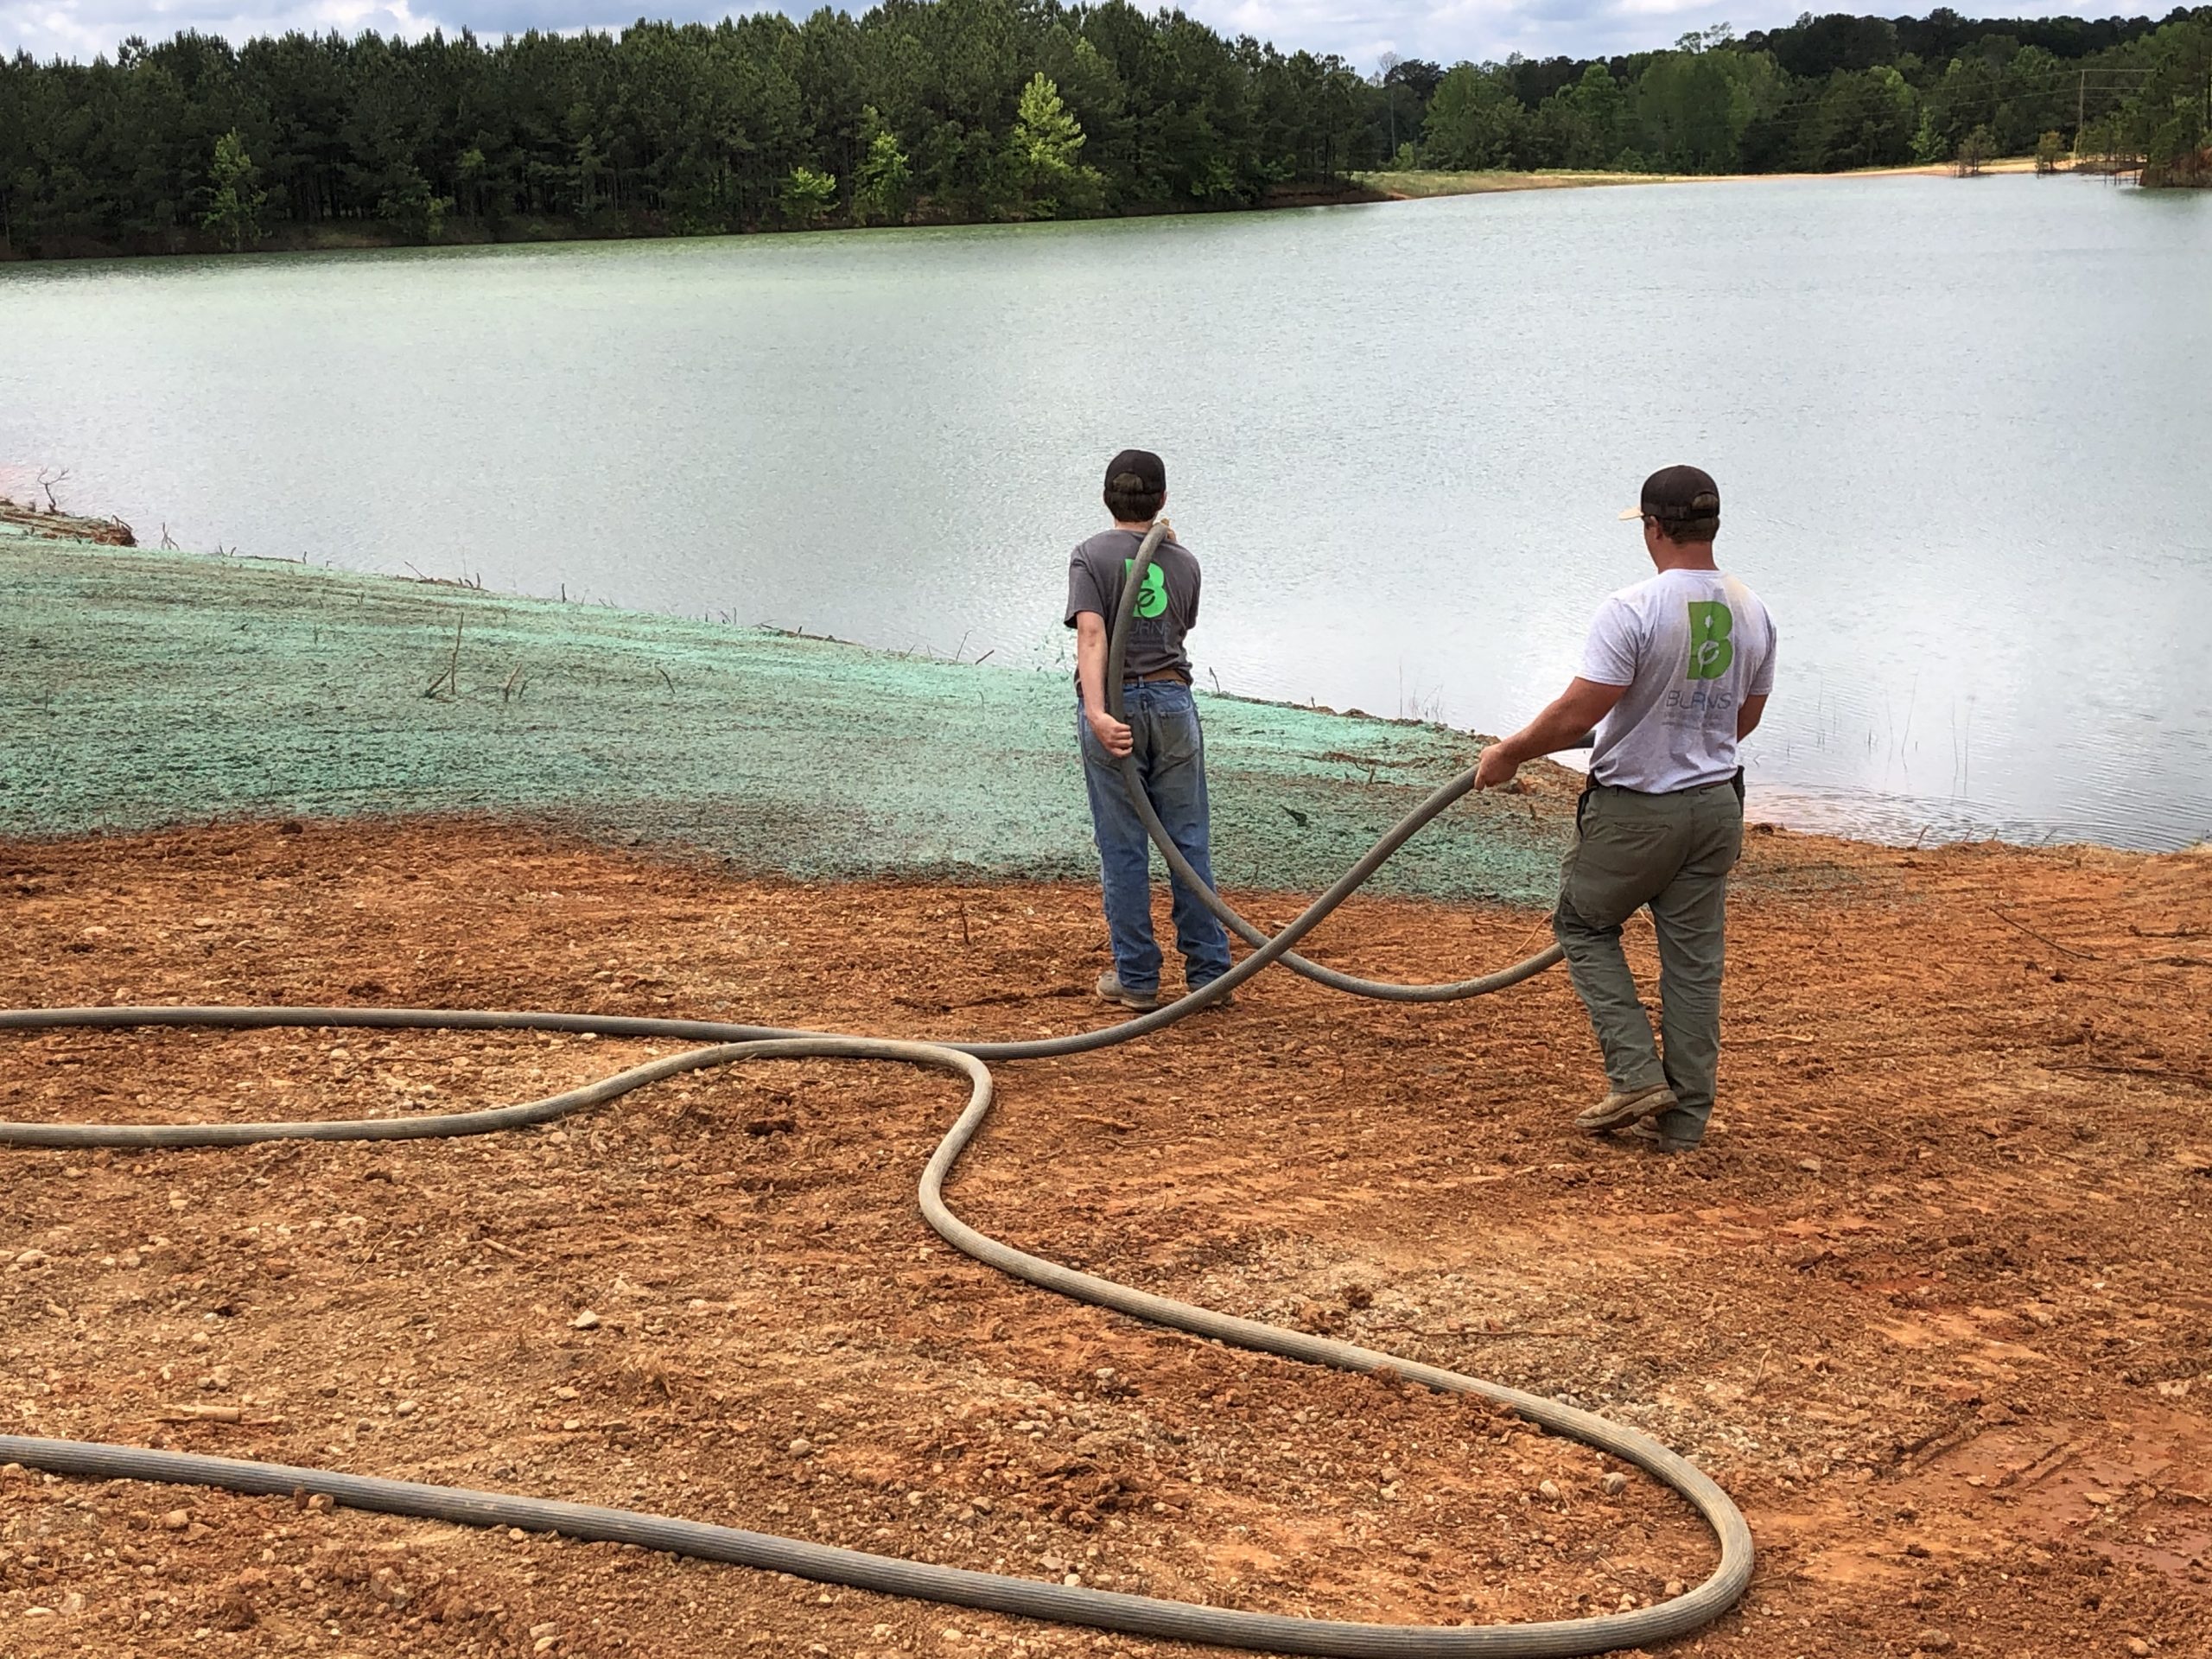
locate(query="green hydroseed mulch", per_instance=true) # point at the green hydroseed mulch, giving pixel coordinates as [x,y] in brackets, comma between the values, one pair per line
[148,688]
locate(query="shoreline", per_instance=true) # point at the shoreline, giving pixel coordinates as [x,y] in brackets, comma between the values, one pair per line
[1425,186]
[1364,188]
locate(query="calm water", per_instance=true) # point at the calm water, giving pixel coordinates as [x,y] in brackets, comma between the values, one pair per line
[1959,429]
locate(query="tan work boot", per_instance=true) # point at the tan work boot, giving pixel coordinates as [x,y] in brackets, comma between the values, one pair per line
[1111,990]
[1618,1110]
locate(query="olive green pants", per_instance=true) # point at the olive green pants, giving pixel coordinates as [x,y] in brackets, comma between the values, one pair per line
[1673,853]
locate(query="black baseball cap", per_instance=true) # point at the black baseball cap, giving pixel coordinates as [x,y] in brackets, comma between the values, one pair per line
[1149,471]
[1674,493]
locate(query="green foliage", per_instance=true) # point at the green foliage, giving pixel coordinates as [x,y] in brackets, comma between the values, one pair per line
[950,110]
[233,205]
[1043,175]
[883,182]
[2050,150]
[1474,120]
[807,197]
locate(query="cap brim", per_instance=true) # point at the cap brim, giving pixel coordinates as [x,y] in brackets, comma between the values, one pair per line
[1627,513]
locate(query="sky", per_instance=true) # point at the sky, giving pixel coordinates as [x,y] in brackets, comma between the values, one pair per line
[1359,31]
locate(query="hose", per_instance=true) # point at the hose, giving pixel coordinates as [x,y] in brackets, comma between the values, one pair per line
[731,1044]
[1382,990]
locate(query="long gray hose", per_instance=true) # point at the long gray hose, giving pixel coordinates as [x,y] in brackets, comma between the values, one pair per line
[1137,1615]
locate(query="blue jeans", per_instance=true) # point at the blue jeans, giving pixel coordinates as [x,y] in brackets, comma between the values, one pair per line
[1170,758]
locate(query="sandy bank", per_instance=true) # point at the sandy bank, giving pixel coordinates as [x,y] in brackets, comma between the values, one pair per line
[1408,187]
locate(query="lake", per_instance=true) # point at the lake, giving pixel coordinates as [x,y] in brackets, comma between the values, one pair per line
[1960,428]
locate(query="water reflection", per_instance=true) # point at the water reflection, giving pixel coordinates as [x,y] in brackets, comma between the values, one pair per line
[1945,416]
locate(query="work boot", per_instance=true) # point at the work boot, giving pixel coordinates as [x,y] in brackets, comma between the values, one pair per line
[1143,1001]
[1645,1133]
[1621,1108]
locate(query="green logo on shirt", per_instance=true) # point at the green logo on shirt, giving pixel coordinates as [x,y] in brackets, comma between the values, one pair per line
[1710,651]
[1151,597]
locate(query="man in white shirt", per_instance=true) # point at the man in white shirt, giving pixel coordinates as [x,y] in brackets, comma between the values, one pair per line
[1675,672]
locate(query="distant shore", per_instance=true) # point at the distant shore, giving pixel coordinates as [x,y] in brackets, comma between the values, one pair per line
[1419,186]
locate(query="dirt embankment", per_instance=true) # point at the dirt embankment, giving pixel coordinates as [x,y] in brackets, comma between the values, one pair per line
[1933,1303]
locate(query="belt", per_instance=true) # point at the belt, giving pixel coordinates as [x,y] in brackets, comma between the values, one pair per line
[1160,674]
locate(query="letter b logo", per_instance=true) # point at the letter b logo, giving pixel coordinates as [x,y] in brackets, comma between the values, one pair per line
[1710,650]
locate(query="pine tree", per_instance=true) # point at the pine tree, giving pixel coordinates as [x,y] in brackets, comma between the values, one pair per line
[1045,173]
[234,206]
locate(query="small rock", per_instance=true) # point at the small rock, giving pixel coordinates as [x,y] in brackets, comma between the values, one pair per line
[1810,1165]
[1616,1484]
[539,1632]
[801,1446]
[129,1259]
[33,1259]
[176,1520]
[586,1320]
[404,1408]
[73,1603]
[1932,1640]
[1073,1580]
[1674,1588]
[543,1644]
[564,1392]
[2136,1645]
[1549,1488]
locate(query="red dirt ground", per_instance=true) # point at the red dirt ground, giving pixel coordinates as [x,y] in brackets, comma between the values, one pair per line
[1932,1303]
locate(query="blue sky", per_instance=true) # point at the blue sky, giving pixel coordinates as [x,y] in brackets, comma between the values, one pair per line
[1362,30]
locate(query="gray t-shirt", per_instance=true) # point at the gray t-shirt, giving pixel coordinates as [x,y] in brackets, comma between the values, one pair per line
[1167,605]
[1690,645]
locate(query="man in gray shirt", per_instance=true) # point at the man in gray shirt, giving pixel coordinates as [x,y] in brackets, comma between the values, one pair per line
[1675,673]
[1160,732]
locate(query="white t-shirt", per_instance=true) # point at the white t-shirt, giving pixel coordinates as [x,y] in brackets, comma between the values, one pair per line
[1690,645]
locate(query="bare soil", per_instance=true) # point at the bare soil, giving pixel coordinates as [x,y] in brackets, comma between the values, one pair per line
[1931,1303]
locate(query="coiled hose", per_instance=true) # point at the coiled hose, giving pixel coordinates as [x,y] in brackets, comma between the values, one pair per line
[730,1044]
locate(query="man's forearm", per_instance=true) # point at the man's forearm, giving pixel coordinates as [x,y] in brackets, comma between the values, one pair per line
[1090,666]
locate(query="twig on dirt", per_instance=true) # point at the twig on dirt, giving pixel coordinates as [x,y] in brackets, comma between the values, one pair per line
[506,1250]
[2085,955]
[1759,1376]
[1105,1122]
[201,1414]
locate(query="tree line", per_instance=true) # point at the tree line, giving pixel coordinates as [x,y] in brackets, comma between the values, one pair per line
[959,111]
